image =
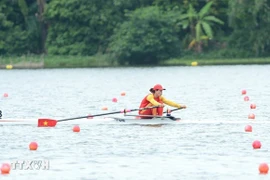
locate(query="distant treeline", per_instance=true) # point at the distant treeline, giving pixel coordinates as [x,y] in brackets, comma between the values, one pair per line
[136,31]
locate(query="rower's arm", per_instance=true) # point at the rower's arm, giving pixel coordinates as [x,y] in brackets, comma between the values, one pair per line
[151,99]
[170,103]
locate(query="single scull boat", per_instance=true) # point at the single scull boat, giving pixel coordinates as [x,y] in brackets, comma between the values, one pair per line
[124,120]
[105,120]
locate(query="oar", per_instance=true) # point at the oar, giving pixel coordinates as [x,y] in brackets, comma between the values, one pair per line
[52,122]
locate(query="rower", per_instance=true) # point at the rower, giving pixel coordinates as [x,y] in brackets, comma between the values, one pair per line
[156,99]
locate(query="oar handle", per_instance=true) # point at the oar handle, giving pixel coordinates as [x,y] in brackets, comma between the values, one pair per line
[123,111]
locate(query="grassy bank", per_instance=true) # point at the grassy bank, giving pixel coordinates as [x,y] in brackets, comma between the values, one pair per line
[205,62]
[78,61]
[41,61]
[31,61]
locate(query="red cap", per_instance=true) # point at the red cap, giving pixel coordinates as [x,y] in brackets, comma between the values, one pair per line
[156,87]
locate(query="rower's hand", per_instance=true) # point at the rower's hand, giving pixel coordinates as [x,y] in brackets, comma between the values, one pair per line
[161,105]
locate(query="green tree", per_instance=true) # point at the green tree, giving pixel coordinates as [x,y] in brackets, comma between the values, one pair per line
[5,25]
[200,25]
[145,38]
[81,27]
[33,23]
[250,20]
[19,32]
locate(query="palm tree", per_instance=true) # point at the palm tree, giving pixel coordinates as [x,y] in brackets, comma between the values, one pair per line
[200,24]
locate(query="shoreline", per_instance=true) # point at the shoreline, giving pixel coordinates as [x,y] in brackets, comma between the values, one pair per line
[55,62]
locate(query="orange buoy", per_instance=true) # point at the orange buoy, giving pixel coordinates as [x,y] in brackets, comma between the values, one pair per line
[248,128]
[33,146]
[244,92]
[263,168]
[246,98]
[104,108]
[251,116]
[76,129]
[252,106]
[5,95]
[5,168]
[256,144]
[123,93]
[114,100]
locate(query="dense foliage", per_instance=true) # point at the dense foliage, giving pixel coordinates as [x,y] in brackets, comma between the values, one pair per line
[149,35]
[136,32]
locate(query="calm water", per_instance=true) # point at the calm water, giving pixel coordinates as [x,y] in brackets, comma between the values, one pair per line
[187,151]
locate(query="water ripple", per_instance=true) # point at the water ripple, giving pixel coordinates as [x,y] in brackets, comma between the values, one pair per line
[107,151]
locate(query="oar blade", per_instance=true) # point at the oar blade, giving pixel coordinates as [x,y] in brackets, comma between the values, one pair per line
[46,123]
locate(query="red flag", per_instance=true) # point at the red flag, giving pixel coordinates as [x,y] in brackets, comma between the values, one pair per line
[46,122]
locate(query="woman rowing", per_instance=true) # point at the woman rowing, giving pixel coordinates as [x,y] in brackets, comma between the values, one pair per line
[156,99]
